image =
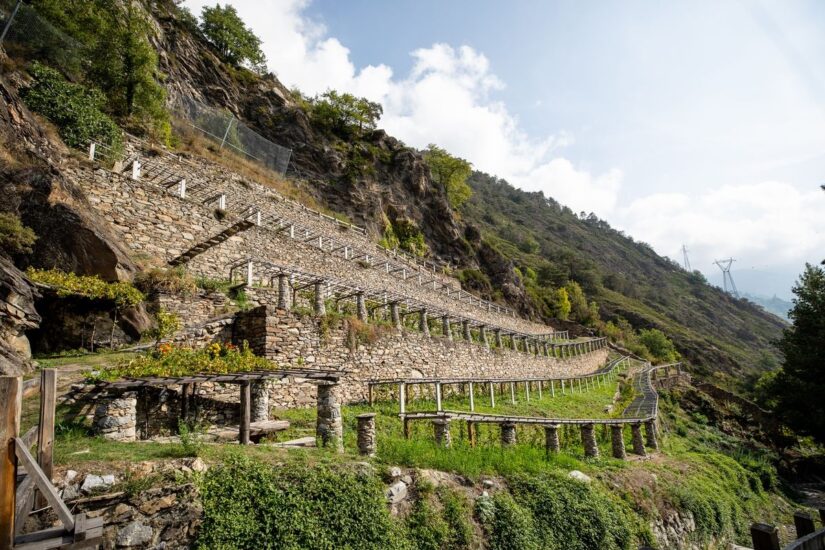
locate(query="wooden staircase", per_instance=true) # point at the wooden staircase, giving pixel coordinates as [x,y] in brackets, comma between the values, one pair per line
[202,247]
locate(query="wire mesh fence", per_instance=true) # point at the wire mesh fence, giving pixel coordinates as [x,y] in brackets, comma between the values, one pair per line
[222,127]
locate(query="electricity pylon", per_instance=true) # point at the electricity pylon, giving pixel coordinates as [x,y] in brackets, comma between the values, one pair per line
[685,256]
[727,278]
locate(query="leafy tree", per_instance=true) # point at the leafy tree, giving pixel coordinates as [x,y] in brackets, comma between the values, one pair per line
[451,172]
[659,345]
[800,384]
[15,237]
[562,306]
[236,42]
[578,302]
[345,114]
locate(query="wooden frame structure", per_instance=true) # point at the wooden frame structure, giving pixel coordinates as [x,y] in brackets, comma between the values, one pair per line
[24,478]
[243,379]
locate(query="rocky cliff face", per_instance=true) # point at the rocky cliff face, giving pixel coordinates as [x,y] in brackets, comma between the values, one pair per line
[17,315]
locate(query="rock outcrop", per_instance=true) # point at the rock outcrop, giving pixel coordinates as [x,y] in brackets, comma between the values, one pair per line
[17,315]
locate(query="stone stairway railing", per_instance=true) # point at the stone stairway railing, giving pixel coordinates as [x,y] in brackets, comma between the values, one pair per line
[288,280]
[174,175]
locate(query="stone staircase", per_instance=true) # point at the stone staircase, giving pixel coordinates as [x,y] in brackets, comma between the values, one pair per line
[221,237]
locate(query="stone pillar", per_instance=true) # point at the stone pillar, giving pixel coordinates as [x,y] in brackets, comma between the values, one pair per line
[395,314]
[446,330]
[320,306]
[638,442]
[465,325]
[361,306]
[260,401]
[591,448]
[650,435]
[441,430]
[366,434]
[499,342]
[617,441]
[551,439]
[116,418]
[283,291]
[546,349]
[483,332]
[508,434]
[329,428]
[423,324]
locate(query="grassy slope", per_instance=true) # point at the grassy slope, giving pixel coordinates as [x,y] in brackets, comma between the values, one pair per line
[627,278]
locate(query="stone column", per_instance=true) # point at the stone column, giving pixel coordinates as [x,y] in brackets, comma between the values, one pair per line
[617,441]
[499,342]
[546,349]
[508,434]
[366,434]
[116,418]
[551,438]
[320,306]
[441,430]
[361,306]
[650,435]
[446,330]
[283,291]
[638,442]
[395,315]
[260,401]
[423,323]
[483,332]
[591,448]
[329,428]
[465,325]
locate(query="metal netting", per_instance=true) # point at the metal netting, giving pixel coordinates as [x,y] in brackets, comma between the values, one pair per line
[229,132]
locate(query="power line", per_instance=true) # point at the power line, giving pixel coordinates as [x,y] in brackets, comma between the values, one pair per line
[727,278]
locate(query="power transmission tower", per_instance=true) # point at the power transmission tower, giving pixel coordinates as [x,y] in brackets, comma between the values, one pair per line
[727,278]
[685,256]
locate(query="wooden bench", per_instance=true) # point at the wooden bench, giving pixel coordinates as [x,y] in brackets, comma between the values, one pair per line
[263,428]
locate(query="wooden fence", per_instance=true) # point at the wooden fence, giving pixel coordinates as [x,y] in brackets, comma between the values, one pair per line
[766,537]
[26,481]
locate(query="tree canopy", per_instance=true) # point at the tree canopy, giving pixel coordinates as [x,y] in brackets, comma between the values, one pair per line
[798,387]
[451,172]
[345,114]
[236,42]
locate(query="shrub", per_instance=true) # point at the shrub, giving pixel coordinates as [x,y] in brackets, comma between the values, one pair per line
[15,238]
[123,294]
[166,324]
[171,281]
[247,504]
[511,526]
[76,110]
[659,345]
[169,360]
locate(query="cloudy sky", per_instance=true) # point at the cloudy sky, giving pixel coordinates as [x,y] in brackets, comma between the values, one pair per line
[697,122]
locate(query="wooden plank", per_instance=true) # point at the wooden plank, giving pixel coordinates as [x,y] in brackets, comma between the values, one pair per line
[44,484]
[24,502]
[11,400]
[45,439]
[246,413]
[30,437]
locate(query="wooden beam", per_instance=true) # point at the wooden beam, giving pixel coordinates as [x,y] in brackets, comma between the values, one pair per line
[11,400]
[44,484]
[23,503]
[45,435]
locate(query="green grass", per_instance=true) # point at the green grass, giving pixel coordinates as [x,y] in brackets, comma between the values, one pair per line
[85,359]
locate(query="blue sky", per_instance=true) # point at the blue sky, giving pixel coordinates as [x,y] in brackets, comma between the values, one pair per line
[680,122]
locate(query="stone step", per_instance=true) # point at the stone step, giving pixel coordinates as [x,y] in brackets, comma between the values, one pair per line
[308,441]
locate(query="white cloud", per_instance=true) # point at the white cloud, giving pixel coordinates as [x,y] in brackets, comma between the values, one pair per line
[447,98]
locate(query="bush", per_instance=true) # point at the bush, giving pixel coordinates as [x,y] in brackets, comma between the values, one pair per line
[166,324]
[168,360]
[76,110]
[123,294]
[659,345]
[171,281]
[248,504]
[15,238]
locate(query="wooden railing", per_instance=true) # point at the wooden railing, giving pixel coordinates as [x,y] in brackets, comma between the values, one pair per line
[19,494]
[766,537]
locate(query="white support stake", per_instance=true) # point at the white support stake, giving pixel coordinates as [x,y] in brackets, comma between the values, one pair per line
[136,169]
[92,147]
[402,397]
[492,396]
[249,272]
[438,396]
[472,402]
[222,202]
[182,188]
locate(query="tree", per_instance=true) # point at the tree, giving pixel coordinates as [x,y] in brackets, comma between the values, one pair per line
[578,302]
[451,172]
[659,345]
[236,43]
[561,307]
[800,384]
[345,114]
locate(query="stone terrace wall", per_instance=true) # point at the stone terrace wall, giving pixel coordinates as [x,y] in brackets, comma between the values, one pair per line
[295,340]
[161,224]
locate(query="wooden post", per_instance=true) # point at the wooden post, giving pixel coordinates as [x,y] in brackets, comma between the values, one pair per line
[406,428]
[540,383]
[45,435]
[402,397]
[472,402]
[246,412]
[492,396]
[527,390]
[804,523]
[512,393]
[369,394]
[764,537]
[438,396]
[552,388]
[562,388]
[471,433]
[11,400]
